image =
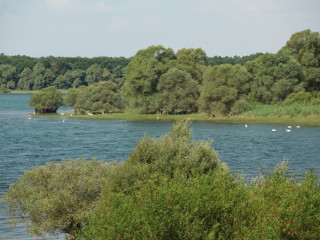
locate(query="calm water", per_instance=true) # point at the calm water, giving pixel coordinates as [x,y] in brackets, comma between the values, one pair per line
[27,143]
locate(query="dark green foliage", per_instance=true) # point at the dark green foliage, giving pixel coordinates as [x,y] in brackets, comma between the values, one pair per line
[59,71]
[277,76]
[192,61]
[222,86]
[142,76]
[103,97]
[177,93]
[71,97]
[228,85]
[304,46]
[47,100]
[218,60]
[25,80]
[8,76]
[94,74]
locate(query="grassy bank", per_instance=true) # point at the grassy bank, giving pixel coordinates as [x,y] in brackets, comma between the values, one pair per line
[242,119]
[295,114]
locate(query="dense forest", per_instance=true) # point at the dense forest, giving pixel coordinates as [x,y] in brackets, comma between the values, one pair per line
[158,80]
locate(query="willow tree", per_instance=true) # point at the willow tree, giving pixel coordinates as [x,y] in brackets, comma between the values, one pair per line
[222,87]
[178,93]
[277,76]
[142,76]
[304,46]
[47,100]
[103,97]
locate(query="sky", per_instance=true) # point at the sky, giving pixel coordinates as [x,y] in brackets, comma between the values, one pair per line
[119,28]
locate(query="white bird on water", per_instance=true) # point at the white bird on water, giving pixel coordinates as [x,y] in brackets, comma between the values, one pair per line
[246,125]
[288,130]
[274,130]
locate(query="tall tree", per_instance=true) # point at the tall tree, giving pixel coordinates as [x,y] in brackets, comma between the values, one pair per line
[103,97]
[94,74]
[192,61]
[25,80]
[142,76]
[304,46]
[7,76]
[277,76]
[42,77]
[223,85]
[178,92]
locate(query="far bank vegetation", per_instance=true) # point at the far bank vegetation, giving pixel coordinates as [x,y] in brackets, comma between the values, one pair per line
[158,80]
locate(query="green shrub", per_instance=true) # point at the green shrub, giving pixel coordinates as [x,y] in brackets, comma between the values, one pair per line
[56,196]
[240,106]
[99,98]
[202,207]
[300,97]
[175,153]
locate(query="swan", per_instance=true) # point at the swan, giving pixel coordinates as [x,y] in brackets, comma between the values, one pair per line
[289,126]
[297,126]
[274,130]
[288,130]
[246,125]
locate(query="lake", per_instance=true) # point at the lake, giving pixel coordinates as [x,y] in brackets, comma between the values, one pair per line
[27,143]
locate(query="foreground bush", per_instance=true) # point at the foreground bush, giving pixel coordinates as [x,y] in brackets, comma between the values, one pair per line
[56,196]
[216,205]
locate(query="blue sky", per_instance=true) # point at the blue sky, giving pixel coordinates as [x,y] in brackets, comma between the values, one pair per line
[115,28]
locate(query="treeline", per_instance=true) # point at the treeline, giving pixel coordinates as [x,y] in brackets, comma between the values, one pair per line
[158,80]
[26,73]
[168,188]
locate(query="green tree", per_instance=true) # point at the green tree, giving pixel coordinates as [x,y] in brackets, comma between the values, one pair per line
[304,46]
[222,86]
[8,76]
[47,100]
[177,93]
[142,76]
[277,76]
[103,97]
[192,61]
[78,77]
[42,77]
[56,196]
[25,80]
[71,97]
[94,74]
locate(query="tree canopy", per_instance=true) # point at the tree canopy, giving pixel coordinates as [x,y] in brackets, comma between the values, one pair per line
[103,97]
[155,79]
[47,100]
